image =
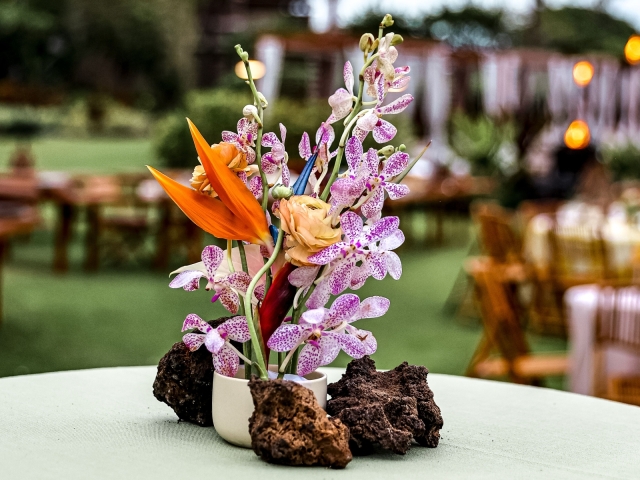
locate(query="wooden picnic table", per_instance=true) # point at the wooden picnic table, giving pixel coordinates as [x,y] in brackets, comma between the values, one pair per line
[439,195]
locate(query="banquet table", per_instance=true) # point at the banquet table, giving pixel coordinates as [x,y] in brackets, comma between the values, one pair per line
[582,305]
[106,424]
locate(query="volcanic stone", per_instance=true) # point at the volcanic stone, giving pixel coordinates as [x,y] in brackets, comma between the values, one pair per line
[386,409]
[288,427]
[184,381]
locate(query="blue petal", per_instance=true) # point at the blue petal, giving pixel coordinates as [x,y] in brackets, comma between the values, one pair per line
[274,233]
[301,183]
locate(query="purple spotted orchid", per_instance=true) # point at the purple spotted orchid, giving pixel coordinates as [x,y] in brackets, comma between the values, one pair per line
[324,138]
[363,176]
[277,158]
[226,285]
[341,102]
[371,120]
[363,244]
[383,68]
[324,332]
[244,139]
[226,358]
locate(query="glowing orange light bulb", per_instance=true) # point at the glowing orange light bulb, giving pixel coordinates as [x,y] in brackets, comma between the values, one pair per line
[582,73]
[577,135]
[632,49]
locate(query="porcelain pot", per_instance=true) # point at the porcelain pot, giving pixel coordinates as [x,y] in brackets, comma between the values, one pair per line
[232,404]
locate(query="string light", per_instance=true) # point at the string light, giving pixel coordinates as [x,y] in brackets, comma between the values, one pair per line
[257,70]
[582,73]
[632,49]
[577,135]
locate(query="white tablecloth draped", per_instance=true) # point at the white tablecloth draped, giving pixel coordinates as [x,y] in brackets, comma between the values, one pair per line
[582,304]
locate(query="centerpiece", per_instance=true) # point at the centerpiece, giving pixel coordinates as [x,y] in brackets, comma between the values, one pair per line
[322,234]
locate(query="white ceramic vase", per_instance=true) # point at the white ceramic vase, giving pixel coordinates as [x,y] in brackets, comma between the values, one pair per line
[232,404]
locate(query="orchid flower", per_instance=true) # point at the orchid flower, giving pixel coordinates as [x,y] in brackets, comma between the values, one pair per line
[341,102]
[343,256]
[218,274]
[383,68]
[350,186]
[225,357]
[225,286]
[377,183]
[371,120]
[277,157]
[326,331]
[324,138]
[235,214]
[362,175]
[244,139]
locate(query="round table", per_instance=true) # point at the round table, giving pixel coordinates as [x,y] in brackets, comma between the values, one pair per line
[106,424]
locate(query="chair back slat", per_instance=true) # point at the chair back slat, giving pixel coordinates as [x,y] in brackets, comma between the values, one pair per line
[498,238]
[618,318]
[499,312]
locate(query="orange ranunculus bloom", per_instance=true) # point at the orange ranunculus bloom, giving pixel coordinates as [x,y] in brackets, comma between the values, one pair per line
[309,226]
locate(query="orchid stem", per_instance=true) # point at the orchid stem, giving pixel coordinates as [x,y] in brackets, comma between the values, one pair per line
[246,348]
[258,103]
[251,322]
[229,255]
[243,257]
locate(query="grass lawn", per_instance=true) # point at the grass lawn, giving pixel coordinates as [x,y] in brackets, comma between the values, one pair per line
[129,316]
[104,155]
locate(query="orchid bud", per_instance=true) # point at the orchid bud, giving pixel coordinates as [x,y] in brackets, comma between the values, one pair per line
[387,151]
[250,112]
[402,147]
[387,21]
[366,42]
[281,191]
[375,45]
[397,39]
[262,100]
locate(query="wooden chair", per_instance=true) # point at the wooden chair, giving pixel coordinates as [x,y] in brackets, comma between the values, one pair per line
[18,213]
[503,350]
[125,225]
[498,237]
[617,327]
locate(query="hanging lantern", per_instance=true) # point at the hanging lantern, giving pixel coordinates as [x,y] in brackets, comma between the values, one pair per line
[632,49]
[582,73]
[577,135]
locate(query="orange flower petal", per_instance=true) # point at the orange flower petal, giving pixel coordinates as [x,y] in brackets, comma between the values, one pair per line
[210,214]
[231,190]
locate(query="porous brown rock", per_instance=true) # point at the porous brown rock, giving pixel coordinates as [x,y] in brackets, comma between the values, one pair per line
[386,409]
[184,381]
[289,427]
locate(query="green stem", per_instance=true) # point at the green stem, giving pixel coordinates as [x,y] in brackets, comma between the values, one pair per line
[243,257]
[258,103]
[246,348]
[251,322]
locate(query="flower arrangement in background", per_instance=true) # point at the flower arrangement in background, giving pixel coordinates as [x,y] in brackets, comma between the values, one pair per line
[323,234]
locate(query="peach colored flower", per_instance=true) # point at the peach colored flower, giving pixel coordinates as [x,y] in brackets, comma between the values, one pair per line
[309,226]
[235,159]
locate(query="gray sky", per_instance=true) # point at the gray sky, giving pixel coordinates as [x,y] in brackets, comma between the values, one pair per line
[628,10]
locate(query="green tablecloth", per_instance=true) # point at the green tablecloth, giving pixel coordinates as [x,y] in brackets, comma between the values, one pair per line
[106,424]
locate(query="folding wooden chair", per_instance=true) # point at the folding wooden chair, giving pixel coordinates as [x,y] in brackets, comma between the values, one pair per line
[617,325]
[503,349]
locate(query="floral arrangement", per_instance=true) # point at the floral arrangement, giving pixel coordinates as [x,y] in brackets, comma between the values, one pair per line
[323,234]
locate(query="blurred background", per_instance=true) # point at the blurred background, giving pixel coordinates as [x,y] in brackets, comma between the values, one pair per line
[523,213]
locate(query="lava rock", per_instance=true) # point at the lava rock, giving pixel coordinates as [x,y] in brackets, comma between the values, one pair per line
[185,380]
[288,427]
[386,409]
